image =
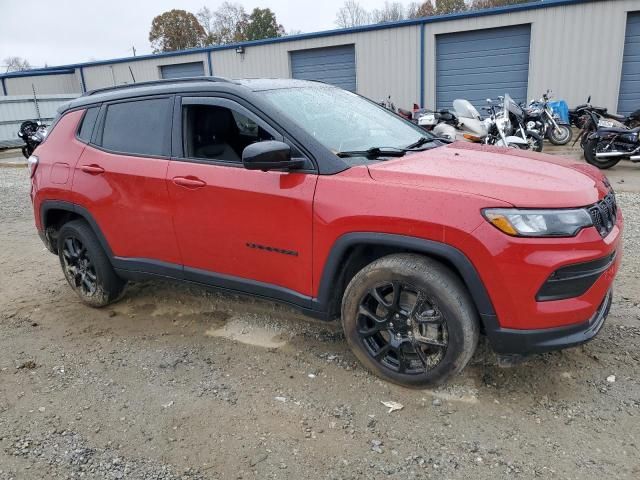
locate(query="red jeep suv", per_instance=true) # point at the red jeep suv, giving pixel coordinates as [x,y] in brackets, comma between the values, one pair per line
[313,196]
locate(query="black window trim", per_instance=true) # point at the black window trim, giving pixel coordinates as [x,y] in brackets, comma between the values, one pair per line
[96,138]
[233,103]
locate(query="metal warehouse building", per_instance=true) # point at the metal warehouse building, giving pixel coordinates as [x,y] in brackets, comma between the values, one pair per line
[574,47]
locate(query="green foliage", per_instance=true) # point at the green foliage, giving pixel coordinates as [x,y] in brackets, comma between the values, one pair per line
[263,24]
[176,30]
[230,23]
[450,6]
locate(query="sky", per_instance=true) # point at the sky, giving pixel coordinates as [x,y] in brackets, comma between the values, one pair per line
[58,32]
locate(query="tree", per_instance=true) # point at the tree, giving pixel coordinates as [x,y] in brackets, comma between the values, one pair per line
[176,30]
[418,10]
[206,17]
[351,14]
[391,12]
[228,24]
[450,6]
[480,4]
[263,24]
[16,64]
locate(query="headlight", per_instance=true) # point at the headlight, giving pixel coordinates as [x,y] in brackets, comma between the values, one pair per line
[538,223]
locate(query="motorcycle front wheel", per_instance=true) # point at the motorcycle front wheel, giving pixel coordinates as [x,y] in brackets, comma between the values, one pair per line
[561,136]
[534,140]
[590,148]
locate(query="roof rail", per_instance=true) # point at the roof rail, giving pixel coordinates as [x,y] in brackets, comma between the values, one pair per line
[163,81]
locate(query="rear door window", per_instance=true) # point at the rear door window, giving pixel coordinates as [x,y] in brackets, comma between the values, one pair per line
[88,122]
[140,127]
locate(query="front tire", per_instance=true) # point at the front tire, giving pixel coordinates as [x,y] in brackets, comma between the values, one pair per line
[410,320]
[590,149]
[86,266]
[562,136]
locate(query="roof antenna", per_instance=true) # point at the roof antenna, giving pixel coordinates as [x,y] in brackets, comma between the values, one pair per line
[131,72]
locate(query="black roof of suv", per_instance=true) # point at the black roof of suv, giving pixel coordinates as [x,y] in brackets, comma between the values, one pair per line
[186,85]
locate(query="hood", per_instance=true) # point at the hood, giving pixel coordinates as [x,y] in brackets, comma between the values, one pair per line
[521,178]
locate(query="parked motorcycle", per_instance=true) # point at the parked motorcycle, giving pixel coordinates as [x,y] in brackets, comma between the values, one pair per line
[578,115]
[442,123]
[589,118]
[549,119]
[33,134]
[497,129]
[605,147]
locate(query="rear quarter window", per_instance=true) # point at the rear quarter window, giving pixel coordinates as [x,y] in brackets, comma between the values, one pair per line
[140,127]
[88,123]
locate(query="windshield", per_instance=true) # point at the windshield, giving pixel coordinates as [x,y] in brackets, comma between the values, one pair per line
[511,105]
[343,121]
[463,108]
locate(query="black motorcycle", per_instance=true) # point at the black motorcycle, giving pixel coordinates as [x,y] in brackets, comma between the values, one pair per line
[605,147]
[33,134]
[542,119]
[589,118]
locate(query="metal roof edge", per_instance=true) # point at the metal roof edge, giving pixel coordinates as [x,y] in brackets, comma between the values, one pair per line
[305,36]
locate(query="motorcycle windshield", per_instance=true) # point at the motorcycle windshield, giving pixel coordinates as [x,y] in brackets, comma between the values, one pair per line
[463,108]
[511,105]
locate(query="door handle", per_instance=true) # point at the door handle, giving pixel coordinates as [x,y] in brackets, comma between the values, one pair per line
[92,169]
[189,182]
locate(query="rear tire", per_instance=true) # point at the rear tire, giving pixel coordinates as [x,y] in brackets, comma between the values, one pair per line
[562,138]
[590,149]
[86,266]
[410,320]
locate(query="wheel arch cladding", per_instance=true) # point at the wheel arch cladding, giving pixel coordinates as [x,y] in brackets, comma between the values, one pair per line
[56,207]
[345,246]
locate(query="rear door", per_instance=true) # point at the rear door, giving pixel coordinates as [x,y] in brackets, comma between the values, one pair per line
[121,180]
[237,228]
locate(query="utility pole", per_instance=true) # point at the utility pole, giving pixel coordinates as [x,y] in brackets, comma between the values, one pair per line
[134,50]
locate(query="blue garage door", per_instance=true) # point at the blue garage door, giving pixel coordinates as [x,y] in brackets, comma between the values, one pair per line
[482,64]
[181,70]
[334,65]
[629,99]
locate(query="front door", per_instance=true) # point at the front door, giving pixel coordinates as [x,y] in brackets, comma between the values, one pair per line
[237,228]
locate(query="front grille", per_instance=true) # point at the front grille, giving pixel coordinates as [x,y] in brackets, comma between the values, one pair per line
[604,214]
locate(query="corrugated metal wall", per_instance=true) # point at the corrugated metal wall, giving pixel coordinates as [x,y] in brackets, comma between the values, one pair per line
[576,50]
[386,61]
[100,76]
[15,109]
[43,84]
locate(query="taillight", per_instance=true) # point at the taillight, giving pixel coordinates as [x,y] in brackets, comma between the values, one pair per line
[32,163]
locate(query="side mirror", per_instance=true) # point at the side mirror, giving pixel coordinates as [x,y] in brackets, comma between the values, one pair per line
[269,155]
[489,100]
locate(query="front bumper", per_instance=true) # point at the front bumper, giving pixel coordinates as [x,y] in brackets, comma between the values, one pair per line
[524,342]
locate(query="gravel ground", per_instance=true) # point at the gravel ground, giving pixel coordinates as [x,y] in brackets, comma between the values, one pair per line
[179,382]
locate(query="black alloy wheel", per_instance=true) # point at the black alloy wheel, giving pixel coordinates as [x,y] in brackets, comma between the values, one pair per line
[410,320]
[86,266]
[78,267]
[402,328]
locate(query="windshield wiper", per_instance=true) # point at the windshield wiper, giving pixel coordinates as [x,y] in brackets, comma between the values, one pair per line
[374,152]
[423,140]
